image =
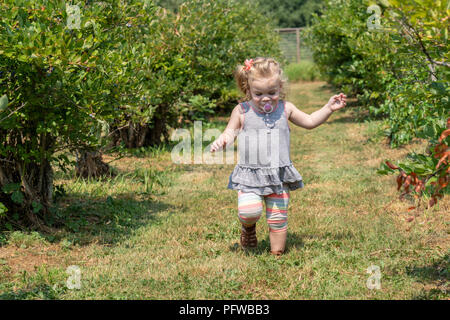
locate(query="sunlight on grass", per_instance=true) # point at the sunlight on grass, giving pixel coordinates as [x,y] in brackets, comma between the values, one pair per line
[305,70]
[158,230]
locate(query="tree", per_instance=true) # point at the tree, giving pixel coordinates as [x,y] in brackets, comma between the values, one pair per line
[62,72]
[291,13]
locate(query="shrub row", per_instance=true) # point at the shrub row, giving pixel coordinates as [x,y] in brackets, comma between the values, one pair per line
[74,76]
[393,55]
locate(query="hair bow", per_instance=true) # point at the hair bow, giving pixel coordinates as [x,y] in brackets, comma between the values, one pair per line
[248,64]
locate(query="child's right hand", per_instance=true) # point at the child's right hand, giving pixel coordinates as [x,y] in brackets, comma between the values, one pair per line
[220,142]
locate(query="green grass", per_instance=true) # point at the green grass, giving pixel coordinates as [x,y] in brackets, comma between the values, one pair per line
[177,237]
[305,70]
[24,240]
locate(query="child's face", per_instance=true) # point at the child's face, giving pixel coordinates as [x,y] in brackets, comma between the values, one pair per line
[265,90]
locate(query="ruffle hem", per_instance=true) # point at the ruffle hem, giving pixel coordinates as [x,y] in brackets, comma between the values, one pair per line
[265,181]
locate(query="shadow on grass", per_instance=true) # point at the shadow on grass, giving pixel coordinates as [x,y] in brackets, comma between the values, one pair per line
[82,217]
[436,274]
[107,221]
[293,241]
[40,291]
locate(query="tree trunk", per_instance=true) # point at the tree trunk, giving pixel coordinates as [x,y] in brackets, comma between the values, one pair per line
[91,165]
[36,187]
[136,135]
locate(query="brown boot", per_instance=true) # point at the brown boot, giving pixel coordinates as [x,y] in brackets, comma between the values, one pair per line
[248,237]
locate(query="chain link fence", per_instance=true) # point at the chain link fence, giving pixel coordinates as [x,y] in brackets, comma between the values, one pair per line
[291,45]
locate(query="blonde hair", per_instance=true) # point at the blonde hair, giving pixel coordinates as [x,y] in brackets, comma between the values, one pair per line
[260,68]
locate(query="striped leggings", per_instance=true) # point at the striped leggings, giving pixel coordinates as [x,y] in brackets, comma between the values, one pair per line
[250,207]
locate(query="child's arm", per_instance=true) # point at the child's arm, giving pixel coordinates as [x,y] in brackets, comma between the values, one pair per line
[230,132]
[318,117]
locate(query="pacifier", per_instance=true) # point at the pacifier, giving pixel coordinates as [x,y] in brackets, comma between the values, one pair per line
[268,108]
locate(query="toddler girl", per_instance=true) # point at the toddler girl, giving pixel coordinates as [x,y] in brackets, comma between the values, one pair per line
[264,172]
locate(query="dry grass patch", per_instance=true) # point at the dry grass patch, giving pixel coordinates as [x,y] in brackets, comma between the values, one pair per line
[330,187]
[189,179]
[17,260]
[309,88]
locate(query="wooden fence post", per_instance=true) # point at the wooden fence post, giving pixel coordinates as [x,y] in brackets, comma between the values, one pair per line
[297,36]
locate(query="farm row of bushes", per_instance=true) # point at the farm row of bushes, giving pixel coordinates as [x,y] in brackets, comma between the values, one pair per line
[283,13]
[394,56]
[113,73]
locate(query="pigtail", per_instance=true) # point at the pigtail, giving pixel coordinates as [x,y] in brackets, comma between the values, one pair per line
[241,76]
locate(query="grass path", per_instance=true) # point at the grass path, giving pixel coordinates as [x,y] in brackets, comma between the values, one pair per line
[182,241]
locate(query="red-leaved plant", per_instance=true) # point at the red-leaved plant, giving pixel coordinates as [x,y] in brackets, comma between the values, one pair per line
[417,182]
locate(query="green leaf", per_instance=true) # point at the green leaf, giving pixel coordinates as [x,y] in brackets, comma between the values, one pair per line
[36,206]
[10,187]
[375,94]
[3,209]
[17,197]
[3,102]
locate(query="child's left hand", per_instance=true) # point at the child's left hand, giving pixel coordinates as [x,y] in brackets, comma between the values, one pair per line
[337,102]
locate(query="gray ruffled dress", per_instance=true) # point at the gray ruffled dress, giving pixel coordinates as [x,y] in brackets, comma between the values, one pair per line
[264,165]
